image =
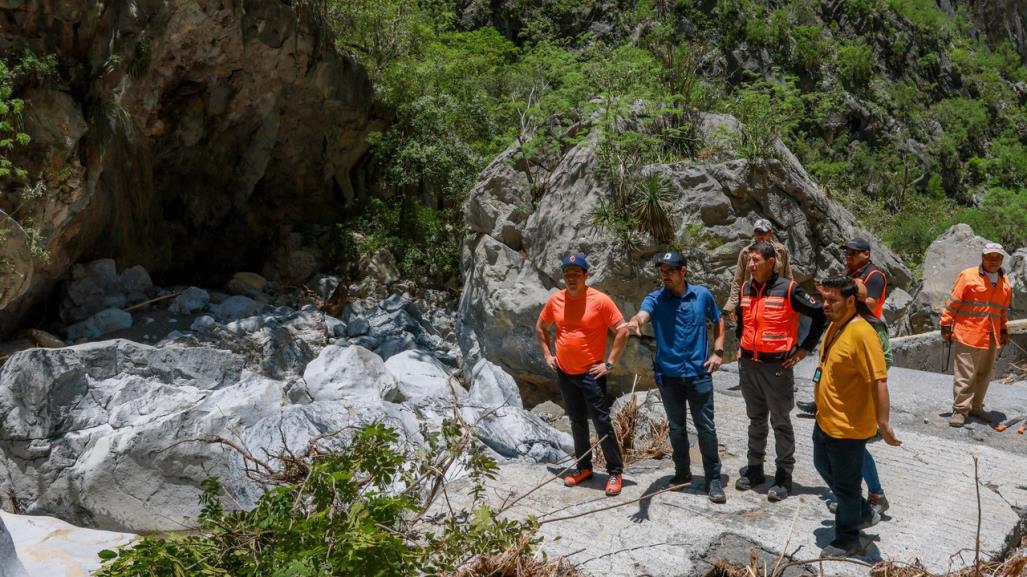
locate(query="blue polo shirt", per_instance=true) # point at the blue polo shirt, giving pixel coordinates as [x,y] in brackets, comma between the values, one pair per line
[682,338]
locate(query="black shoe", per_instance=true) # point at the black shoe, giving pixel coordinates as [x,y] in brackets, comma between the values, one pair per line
[807,407]
[750,477]
[680,481]
[715,489]
[833,550]
[781,488]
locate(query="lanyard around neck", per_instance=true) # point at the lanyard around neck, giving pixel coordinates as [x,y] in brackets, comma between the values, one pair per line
[834,338]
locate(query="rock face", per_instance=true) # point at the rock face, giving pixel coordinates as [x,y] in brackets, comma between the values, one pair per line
[196,127]
[1002,21]
[513,251]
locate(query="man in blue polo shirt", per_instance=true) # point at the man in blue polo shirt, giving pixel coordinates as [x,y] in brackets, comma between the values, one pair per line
[684,363]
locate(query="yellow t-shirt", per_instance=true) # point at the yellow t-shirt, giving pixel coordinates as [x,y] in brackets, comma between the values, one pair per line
[845,396]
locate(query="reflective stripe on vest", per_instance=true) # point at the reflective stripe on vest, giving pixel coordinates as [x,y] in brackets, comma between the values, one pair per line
[977,308]
[769,323]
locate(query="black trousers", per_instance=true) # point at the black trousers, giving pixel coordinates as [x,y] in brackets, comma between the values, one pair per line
[840,463]
[585,396]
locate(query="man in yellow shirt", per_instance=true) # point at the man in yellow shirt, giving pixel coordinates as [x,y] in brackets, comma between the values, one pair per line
[851,383]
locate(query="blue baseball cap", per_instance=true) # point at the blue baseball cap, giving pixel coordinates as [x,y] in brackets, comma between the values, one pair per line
[574,259]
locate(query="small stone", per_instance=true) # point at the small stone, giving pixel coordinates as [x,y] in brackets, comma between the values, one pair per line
[358,327]
[204,323]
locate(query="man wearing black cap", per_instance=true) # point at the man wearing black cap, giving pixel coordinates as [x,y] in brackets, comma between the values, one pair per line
[762,230]
[583,316]
[857,260]
[768,335]
[679,313]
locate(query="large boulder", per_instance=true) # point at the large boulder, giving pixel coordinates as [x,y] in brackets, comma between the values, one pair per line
[512,253]
[115,434]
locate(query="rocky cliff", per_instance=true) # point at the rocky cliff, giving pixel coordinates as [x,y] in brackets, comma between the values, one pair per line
[513,250]
[183,136]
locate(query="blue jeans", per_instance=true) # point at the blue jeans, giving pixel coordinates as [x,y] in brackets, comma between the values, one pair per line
[840,463]
[584,396]
[697,393]
[870,473]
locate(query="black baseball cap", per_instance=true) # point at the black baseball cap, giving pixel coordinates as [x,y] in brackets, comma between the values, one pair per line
[672,258]
[859,244]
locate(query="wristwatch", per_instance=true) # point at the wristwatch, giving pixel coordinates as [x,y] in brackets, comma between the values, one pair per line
[608,364]
[719,352]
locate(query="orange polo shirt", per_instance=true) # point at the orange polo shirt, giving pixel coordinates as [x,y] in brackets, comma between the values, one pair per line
[582,324]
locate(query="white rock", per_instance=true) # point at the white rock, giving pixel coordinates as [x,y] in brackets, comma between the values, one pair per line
[347,371]
[51,547]
[422,378]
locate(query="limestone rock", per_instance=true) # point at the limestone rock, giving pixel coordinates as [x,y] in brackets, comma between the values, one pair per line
[10,565]
[422,378]
[103,322]
[714,206]
[248,284]
[51,547]
[235,307]
[345,371]
[16,258]
[189,301]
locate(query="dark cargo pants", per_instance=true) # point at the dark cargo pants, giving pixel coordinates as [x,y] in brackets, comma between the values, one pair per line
[769,391]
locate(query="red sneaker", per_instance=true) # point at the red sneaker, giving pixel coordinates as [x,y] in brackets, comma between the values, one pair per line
[613,484]
[577,478]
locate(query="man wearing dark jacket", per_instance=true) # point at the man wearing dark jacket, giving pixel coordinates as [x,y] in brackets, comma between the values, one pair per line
[767,331]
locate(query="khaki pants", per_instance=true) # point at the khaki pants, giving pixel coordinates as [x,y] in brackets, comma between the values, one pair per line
[971,376]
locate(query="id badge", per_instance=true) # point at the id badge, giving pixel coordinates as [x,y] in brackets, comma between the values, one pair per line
[816,376]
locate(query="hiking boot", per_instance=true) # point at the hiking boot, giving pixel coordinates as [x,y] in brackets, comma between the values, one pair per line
[577,478]
[873,519]
[836,551]
[957,419]
[781,487]
[614,484]
[777,493]
[878,502]
[807,407]
[750,477]
[982,415]
[715,489]
[681,481]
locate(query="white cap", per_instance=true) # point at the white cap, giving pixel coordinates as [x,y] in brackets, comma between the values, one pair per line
[994,248]
[763,225]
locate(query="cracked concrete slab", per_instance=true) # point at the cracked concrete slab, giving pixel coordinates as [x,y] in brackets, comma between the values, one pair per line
[929,482]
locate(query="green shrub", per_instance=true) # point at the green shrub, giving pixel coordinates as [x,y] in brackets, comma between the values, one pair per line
[856,65]
[1001,217]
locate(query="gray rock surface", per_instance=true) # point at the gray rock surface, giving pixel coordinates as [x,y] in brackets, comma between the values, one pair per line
[235,307]
[680,534]
[101,323]
[96,286]
[346,371]
[10,564]
[189,301]
[509,276]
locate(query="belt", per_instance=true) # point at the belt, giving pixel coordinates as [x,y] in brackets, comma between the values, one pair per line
[765,357]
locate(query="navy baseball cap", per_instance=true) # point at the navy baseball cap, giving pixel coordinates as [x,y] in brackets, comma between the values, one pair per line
[859,244]
[574,259]
[672,258]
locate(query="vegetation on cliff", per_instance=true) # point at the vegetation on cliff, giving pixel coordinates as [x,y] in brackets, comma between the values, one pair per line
[897,109]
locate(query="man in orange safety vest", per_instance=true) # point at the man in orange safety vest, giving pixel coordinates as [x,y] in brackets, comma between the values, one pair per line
[974,320]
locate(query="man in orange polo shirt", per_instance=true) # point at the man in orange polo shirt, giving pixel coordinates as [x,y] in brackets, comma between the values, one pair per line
[975,318]
[583,316]
[851,384]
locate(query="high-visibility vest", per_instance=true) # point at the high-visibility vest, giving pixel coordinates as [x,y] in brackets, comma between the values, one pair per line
[977,310]
[865,273]
[769,323]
